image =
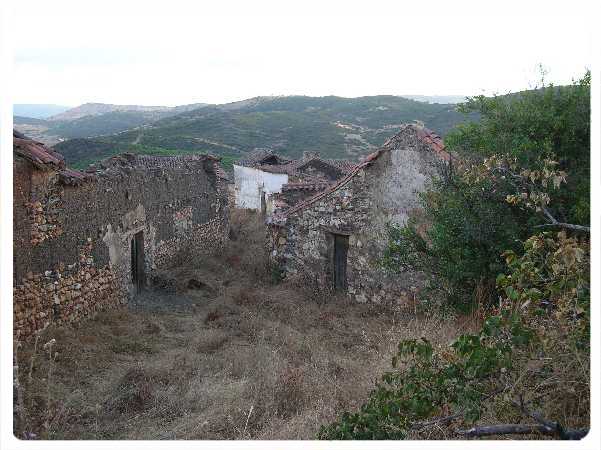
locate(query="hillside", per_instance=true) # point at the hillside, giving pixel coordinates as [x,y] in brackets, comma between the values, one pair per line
[95,109]
[95,125]
[336,127]
[94,119]
[98,109]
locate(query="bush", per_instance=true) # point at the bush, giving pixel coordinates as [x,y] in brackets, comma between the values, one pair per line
[505,185]
[470,225]
[533,125]
[534,349]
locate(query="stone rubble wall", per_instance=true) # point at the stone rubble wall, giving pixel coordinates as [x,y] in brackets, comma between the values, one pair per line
[64,295]
[382,193]
[62,276]
[304,248]
[45,222]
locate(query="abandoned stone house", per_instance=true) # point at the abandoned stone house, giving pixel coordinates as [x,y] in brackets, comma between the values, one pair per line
[268,182]
[85,241]
[337,237]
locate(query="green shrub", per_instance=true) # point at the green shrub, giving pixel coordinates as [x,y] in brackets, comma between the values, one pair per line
[543,321]
[533,125]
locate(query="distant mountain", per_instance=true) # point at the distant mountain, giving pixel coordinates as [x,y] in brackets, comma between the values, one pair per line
[442,99]
[21,120]
[38,111]
[95,119]
[334,126]
[97,109]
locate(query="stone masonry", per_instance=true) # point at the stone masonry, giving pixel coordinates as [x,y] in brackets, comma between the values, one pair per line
[74,231]
[381,190]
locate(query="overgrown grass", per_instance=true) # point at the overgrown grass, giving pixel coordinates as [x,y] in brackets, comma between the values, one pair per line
[245,359]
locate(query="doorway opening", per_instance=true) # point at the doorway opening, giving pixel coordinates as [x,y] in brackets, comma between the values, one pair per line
[340,260]
[263,204]
[138,276]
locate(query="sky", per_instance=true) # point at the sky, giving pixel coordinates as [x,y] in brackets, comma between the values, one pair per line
[174,52]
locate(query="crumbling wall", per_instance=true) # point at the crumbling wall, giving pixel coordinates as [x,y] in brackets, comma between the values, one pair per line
[381,193]
[63,295]
[316,169]
[177,202]
[294,193]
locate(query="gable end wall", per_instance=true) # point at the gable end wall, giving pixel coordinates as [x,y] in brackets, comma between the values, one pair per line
[386,191]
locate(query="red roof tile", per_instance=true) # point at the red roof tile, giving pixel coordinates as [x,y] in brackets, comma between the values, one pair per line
[427,136]
[291,167]
[304,186]
[37,153]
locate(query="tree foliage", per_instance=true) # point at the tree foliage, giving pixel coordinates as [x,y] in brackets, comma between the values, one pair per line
[547,122]
[469,226]
[524,166]
[522,170]
[533,352]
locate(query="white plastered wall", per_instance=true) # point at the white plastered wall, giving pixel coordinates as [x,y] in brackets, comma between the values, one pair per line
[250,183]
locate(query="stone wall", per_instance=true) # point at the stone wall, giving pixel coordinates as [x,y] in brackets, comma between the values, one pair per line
[64,295]
[294,193]
[380,192]
[81,261]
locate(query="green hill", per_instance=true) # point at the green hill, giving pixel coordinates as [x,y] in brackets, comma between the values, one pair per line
[336,127]
[102,124]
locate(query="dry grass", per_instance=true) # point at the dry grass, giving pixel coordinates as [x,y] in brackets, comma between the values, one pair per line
[242,359]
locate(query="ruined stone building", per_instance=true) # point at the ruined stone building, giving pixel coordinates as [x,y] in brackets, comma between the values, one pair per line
[84,241]
[337,237]
[267,182]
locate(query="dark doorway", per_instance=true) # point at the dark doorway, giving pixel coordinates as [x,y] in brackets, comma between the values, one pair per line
[263,204]
[340,256]
[137,262]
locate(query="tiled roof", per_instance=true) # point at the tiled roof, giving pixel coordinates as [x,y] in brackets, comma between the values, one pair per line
[337,164]
[343,164]
[294,167]
[434,141]
[259,155]
[258,159]
[305,186]
[288,168]
[126,161]
[37,153]
[427,136]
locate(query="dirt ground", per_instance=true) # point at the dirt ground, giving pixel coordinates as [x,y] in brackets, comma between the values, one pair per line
[228,355]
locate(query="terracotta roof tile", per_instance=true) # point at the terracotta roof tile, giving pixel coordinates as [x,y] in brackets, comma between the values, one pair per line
[45,158]
[425,135]
[290,167]
[256,158]
[305,186]
[37,153]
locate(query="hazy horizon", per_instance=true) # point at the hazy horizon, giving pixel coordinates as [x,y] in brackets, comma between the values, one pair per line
[234,101]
